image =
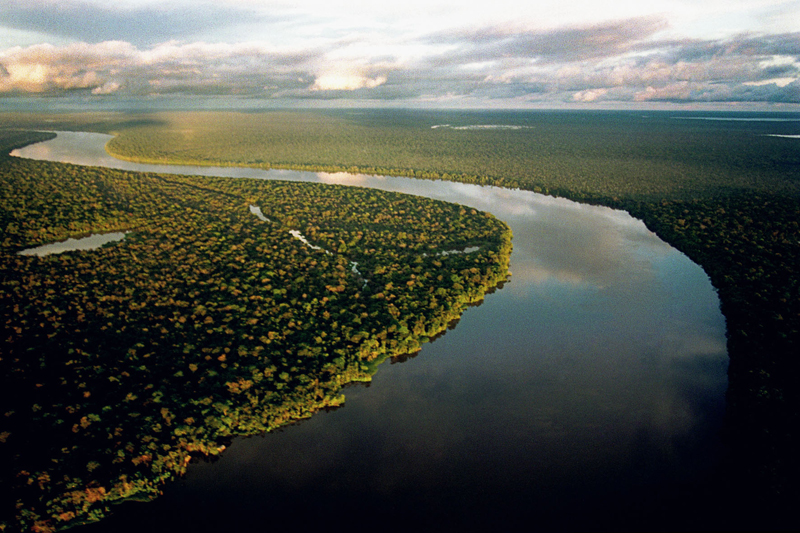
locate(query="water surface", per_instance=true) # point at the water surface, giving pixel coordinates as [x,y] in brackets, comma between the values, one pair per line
[92,242]
[587,392]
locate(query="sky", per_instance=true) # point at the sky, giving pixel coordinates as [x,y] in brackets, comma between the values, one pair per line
[735,54]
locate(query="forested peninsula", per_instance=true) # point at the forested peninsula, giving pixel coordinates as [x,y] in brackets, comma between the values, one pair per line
[211,319]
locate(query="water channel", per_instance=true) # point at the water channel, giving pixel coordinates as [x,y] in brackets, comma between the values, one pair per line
[587,393]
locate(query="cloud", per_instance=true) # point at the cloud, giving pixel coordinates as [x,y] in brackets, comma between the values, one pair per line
[141,25]
[617,61]
[561,44]
[43,68]
[168,68]
[590,95]
[336,81]
[688,92]
[744,68]
[109,87]
[620,61]
[780,82]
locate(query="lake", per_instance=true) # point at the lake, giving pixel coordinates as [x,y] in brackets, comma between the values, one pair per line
[588,392]
[92,242]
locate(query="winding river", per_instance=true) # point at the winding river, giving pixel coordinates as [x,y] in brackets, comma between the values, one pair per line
[587,393]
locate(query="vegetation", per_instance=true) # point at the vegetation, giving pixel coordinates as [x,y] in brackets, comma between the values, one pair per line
[725,193]
[206,322]
[582,155]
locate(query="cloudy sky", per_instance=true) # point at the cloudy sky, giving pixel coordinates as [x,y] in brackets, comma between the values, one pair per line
[435,53]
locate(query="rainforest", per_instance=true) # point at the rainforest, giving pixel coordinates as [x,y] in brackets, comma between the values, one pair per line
[251,324]
[212,319]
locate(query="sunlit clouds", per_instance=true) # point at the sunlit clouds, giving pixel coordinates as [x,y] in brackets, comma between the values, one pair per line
[415,53]
[346,80]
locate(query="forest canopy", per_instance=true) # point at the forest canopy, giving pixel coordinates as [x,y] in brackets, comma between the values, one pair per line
[206,322]
[722,187]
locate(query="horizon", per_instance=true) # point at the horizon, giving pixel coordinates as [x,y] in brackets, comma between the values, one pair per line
[72,105]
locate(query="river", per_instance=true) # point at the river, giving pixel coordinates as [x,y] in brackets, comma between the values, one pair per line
[587,393]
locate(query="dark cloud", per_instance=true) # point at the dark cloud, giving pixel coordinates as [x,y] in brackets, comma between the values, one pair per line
[77,20]
[787,44]
[563,44]
[685,93]
[744,46]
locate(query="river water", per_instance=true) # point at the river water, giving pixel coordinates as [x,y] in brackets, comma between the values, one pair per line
[587,393]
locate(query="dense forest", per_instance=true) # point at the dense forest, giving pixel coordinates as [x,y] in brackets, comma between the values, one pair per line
[211,318]
[724,192]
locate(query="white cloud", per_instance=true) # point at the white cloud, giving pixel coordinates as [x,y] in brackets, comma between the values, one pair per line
[590,95]
[107,88]
[675,91]
[345,82]
[779,82]
[47,68]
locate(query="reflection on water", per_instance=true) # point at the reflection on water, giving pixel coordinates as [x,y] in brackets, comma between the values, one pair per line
[92,242]
[591,382]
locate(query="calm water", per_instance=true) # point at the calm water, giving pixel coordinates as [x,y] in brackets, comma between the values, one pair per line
[92,242]
[586,393]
